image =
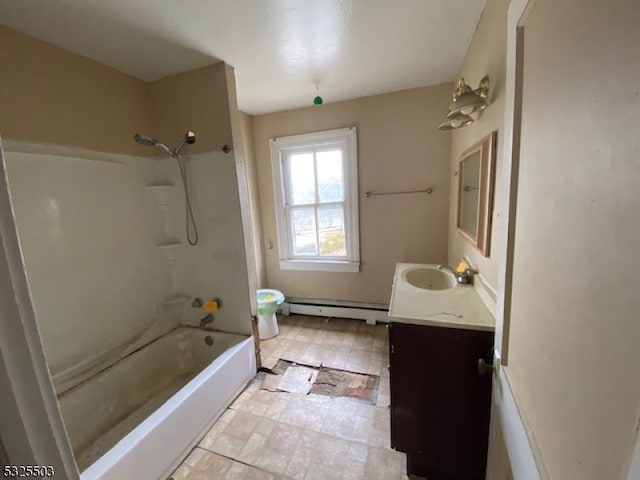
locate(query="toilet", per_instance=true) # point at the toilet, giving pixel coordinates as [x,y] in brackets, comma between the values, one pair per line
[268,302]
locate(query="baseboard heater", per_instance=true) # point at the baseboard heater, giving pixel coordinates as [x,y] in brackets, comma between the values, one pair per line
[369,312]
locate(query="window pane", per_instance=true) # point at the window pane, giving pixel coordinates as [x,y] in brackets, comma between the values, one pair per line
[330,177]
[301,176]
[304,232]
[331,231]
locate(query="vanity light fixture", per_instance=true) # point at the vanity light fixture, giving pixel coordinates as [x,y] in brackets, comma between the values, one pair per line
[455,120]
[465,102]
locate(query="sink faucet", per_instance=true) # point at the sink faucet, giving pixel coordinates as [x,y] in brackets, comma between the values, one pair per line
[463,278]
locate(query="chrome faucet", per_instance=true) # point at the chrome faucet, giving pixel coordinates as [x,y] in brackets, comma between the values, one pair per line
[463,278]
[206,320]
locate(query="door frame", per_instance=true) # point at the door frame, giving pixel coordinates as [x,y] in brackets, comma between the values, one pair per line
[505,412]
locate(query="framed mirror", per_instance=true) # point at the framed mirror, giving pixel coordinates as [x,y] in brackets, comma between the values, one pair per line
[475,193]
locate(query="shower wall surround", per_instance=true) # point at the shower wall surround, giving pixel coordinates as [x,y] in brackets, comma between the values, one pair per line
[86,228]
[216,267]
[90,231]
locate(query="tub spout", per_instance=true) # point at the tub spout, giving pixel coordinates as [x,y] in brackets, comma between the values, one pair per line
[206,320]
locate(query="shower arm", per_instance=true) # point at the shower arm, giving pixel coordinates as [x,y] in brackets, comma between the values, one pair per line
[189,138]
[166,149]
[177,148]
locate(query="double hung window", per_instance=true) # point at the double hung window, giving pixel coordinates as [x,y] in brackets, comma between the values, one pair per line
[315,185]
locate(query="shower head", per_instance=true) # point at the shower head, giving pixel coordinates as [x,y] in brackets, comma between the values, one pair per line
[189,138]
[152,142]
[144,140]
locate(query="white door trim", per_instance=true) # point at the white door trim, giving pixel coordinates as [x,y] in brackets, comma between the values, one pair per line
[517,13]
[517,441]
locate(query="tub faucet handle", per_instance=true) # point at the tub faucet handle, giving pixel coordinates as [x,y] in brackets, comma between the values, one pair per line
[206,320]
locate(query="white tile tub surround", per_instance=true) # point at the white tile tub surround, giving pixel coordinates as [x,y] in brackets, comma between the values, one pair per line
[157,445]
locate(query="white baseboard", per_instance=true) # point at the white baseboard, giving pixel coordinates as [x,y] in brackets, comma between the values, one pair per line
[521,457]
[371,316]
[634,469]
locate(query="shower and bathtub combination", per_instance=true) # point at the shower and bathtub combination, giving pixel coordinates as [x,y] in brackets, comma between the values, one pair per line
[135,394]
[144,413]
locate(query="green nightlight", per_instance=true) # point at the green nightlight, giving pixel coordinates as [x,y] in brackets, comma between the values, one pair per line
[317,100]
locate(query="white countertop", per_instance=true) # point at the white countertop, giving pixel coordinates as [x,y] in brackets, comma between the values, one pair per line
[457,307]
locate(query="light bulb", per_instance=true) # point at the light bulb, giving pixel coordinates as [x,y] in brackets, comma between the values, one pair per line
[467,110]
[456,122]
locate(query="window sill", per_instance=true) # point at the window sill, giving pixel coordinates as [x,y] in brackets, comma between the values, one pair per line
[320,265]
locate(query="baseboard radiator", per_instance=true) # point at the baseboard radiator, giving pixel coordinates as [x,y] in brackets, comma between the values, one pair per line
[371,313]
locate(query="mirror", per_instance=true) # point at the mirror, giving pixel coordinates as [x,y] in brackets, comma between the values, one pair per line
[475,193]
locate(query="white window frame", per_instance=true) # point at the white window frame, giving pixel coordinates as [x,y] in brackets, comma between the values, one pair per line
[279,148]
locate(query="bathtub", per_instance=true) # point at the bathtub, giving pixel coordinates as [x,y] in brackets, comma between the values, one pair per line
[140,417]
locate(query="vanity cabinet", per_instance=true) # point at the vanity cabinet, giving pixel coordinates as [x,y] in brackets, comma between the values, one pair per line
[440,404]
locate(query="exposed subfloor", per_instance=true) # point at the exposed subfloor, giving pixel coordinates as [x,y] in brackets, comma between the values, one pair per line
[272,434]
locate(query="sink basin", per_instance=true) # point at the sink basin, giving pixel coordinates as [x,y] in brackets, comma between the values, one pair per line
[430,278]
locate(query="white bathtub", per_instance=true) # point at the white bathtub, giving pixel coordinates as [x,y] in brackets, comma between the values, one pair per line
[140,417]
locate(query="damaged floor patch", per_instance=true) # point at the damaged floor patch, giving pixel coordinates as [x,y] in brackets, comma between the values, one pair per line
[289,377]
[298,379]
[338,383]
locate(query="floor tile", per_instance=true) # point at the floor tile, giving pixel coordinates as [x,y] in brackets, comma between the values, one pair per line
[242,425]
[268,434]
[283,438]
[223,444]
[201,465]
[299,463]
[384,464]
[239,471]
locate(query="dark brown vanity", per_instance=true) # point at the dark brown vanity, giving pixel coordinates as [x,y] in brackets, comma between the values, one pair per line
[440,398]
[440,403]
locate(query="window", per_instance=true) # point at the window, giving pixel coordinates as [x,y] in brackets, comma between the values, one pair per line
[316,192]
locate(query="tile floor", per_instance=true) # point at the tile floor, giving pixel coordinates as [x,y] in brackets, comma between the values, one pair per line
[269,435]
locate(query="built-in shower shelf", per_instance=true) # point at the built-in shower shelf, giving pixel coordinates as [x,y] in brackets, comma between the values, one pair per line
[177,299]
[170,250]
[162,192]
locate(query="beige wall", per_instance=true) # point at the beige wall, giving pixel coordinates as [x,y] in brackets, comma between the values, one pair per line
[486,56]
[195,100]
[50,95]
[573,361]
[399,148]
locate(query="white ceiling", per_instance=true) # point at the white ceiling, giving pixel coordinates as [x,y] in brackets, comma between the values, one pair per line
[281,49]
